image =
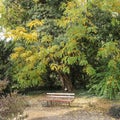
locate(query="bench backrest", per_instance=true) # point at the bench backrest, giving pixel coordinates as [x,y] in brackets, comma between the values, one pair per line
[61,95]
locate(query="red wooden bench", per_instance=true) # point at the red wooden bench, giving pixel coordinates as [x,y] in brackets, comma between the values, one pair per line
[52,98]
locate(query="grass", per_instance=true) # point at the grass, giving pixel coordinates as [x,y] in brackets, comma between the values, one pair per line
[78,93]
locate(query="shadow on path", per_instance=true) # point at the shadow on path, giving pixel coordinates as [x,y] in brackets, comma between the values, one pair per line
[78,115]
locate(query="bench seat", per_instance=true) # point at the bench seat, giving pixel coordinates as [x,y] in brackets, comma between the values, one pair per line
[52,98]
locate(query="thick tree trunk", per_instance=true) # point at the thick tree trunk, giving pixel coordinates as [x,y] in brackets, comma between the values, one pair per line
[66,82]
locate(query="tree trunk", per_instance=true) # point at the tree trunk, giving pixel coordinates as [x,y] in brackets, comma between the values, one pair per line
[66,82]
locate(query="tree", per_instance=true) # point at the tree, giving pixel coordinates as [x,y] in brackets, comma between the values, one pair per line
[5,65]
[61,52]
[74,37]
[106,80]
[37,40]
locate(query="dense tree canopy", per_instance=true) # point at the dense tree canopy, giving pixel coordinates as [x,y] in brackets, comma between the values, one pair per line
[72,43]
[5,65]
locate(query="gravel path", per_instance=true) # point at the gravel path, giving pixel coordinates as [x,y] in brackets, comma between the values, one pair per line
[82,112]
[78,115]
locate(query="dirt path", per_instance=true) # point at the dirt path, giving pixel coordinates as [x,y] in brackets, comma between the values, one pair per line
[81,109]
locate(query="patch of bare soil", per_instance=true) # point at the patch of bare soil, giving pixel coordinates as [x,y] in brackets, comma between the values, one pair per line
[81,109]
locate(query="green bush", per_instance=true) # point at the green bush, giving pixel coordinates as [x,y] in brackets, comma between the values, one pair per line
[3,85]
[114,111]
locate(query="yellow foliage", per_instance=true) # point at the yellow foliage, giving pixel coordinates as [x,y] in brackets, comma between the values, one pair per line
[116,6]
[35,1]
[32,58]
[71,4]
[26,54]
[46,38]
[110,80]
[21,33]
[19,30]
[14,56]
[43,53]
[19,49]
[30,65]
[73,13]
[30,37]
[101,49]
[23,55]
[63,22]
[45,61]
[1,6]
[53,49]
[35,23]
[17,33]
[111,5]
[53,66]
[56,67]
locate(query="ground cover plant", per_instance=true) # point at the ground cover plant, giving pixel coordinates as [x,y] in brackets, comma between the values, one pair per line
[114,111]
[12,106]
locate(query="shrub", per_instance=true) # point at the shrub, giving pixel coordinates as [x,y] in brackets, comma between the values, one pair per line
[12,106]
[3,85]
[115,111]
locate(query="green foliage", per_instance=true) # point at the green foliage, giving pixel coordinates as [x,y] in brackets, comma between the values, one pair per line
[5,64]
[35,46]
[76,41]
[106,61]
[3,85]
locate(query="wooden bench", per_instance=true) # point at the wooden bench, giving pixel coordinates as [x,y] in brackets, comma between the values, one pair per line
[52,98]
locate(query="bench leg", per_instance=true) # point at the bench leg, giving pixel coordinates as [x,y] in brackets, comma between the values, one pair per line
[49,103]
[69,103]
